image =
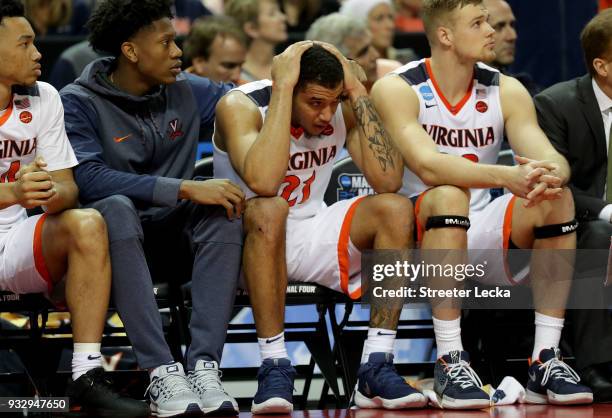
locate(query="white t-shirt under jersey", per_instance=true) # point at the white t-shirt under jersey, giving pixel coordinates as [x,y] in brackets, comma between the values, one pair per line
[32,125]
[311,159]
[473,128]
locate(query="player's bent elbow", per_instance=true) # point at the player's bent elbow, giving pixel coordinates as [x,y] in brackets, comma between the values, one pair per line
[428,176]
[263,188]
[387,185]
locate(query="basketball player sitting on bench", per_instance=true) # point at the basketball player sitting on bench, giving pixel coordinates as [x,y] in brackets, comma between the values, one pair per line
[277,139]
[465,106]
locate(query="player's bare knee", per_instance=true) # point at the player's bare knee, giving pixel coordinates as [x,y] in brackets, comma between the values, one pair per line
[447,200]
[395,211]
[557,211]
[564,206]
[266,215]
[87,229]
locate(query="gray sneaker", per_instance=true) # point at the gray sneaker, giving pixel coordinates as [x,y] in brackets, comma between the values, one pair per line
[170,393]
[206,383]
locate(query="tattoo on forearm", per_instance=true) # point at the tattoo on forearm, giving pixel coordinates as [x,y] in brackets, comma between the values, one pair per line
[379,140]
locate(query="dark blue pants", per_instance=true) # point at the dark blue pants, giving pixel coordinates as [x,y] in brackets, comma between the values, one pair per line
[189,241]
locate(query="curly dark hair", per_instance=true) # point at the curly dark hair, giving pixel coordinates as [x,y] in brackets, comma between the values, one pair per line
[10,8]
[319,66]
[115,21]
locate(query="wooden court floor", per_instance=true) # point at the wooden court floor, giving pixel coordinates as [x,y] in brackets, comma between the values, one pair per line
[511,411]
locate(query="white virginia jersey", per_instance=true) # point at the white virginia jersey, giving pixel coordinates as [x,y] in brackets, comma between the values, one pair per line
[311,159]
[473,128]
[32,125]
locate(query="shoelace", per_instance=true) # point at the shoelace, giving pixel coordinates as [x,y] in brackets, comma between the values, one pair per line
[557,369]
[463,374]
[208,380]
[173,384]
[276,381]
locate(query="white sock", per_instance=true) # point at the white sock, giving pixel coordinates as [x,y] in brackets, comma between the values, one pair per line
[547,333]
[448,335]
[86,356]
[273,347]
[379,341]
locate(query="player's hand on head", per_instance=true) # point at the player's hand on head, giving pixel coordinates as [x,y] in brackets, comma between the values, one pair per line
[216,192]
[354,75]
[358,71]
[286,66]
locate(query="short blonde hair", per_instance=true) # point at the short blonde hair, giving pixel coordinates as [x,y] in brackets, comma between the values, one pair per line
[434,13]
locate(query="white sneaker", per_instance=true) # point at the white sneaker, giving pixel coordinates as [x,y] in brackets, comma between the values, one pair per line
[170,393]
[206,383]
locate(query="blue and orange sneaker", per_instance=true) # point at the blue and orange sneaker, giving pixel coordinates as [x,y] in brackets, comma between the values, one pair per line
[457,385]
[274,387]
[553,381]
[380,386]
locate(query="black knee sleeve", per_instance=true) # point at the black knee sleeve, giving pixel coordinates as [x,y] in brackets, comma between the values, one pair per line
[556,230]
[447,221]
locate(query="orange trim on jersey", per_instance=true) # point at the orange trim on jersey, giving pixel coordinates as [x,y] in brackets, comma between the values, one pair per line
[39,259]
[417,209]
[7,114]
[507,232]
[343,250]
[453,109]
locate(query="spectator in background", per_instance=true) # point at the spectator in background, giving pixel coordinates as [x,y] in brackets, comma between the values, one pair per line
[265,26]
[408,16]
[300,13]
[354,40]
[216,48]
[503,21]
[71,64]
[58,17]
[576,116]
[185,13]
[379,17]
